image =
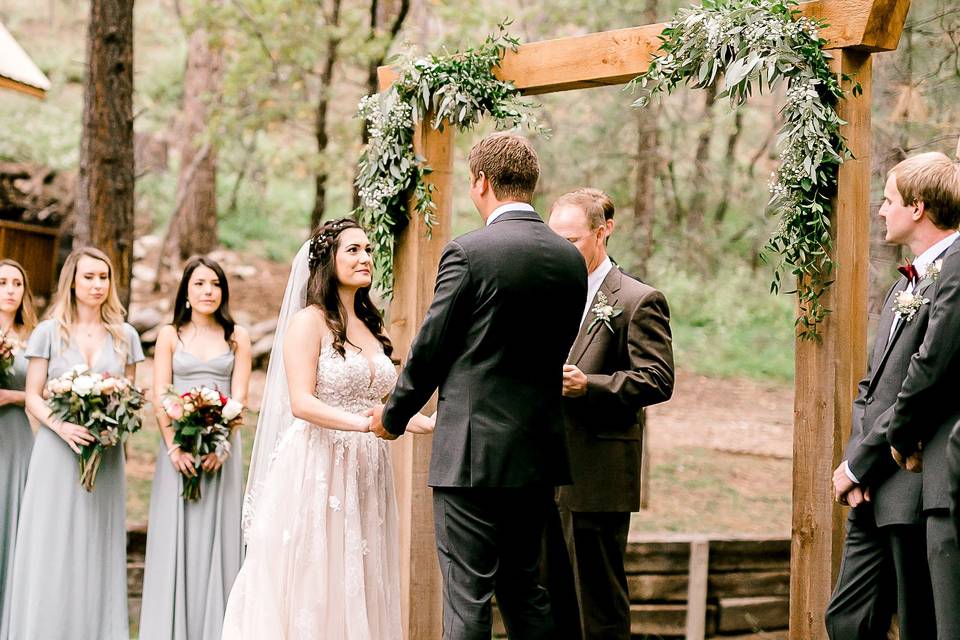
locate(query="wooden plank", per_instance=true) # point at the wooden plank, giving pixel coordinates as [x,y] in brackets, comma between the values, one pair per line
[673,587]
[416,258]
[752,614]
[749,555]
[657,557]
[697,590]
[617,56]
[827,373]
[666,619]
[13,85]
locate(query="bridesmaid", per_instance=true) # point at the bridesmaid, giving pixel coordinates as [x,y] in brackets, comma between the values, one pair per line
[70,566]
[17,320]
[194,549]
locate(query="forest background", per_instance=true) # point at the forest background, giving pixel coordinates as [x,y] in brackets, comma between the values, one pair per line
[245,137]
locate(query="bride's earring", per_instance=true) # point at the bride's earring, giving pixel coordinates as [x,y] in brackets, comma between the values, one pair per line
[188,304]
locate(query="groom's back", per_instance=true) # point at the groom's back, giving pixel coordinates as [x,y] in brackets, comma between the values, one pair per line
[499,422]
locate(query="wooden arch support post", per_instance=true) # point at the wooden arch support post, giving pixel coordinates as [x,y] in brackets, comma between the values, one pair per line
[826,372]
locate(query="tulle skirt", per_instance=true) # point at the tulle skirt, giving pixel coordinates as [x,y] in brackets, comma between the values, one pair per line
[323,555]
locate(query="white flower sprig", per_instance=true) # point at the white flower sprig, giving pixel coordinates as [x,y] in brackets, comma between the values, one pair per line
[603,312]
[907,304]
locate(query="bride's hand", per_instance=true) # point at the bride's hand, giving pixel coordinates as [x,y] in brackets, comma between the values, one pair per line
[421,424]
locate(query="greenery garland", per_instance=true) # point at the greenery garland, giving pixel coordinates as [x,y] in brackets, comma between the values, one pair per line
[457,89]
[755,44]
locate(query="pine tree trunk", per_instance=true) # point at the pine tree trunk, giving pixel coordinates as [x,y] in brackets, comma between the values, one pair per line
[648,163]
[104,209]
[323,106]
[195,219]
[378,16]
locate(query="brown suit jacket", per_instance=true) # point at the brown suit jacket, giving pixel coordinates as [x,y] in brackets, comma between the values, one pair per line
[627,369]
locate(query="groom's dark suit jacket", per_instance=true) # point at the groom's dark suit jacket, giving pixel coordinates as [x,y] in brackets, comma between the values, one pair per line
[506,309]
[909,396]
[628,366]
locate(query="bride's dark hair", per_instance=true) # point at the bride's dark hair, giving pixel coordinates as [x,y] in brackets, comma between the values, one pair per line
[322,287]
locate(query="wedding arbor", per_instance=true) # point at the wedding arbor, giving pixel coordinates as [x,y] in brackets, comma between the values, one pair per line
[827,371]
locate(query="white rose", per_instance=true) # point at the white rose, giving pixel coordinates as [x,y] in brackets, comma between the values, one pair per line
[904,298]
[79,369]
[82,385]
[210,396]
[232,409]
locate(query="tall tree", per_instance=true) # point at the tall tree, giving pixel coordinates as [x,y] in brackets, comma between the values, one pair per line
[104,208]
[381,38]
[194,222]
[648,156]
[323,106]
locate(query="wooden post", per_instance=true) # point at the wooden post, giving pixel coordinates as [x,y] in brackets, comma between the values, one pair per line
[698,572]
[827,373]
[415,267]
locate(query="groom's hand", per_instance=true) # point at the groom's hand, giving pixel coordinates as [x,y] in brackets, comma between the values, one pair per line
[574,381]
[376,424]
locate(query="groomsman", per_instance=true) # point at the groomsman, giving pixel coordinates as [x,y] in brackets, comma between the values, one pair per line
[621,362]
[953,456]
[901,552]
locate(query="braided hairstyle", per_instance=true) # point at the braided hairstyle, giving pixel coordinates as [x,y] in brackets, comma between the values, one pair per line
[322,288]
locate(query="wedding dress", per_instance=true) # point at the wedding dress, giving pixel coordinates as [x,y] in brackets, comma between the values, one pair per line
[321,519]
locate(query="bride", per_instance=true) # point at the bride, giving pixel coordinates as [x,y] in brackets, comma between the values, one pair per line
[320,514]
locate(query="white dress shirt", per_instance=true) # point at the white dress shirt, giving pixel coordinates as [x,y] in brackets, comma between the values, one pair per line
[920,263]
[510,206]
[594,280]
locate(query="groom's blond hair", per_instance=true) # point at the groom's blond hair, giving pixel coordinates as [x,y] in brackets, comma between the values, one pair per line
[509,163]
[933,179]
[595,204]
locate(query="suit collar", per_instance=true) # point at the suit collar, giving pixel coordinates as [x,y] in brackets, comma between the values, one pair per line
[516,214]
[610,288]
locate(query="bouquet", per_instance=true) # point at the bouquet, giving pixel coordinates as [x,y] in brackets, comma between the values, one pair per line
[105,405]
[203,420]
[8,345]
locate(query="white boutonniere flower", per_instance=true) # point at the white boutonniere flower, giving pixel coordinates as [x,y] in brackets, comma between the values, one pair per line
[907,304]
[603,312]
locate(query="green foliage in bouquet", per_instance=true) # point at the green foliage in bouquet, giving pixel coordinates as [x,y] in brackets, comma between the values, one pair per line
[456,89]
[755,45]
[107,406]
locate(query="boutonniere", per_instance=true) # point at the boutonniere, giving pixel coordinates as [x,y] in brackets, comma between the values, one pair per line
[603,312]
[932,274]
[907,304]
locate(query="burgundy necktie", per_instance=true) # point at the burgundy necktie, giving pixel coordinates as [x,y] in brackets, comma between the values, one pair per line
[910,272]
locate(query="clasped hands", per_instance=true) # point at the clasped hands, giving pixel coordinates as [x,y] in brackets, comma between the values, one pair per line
[419,424]
[850,493]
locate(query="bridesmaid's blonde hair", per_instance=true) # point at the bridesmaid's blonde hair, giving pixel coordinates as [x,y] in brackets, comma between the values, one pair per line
[26,316]
[64,308]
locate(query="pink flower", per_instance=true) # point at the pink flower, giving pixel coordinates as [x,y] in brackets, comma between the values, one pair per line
[173,409]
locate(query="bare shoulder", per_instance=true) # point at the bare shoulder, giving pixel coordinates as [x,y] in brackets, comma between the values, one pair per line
[167,336]
[309,322]
[241,335]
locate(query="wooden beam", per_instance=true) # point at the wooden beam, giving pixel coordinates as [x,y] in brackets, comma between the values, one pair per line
[614,57]
[416,258]
[827,374]
[13,85]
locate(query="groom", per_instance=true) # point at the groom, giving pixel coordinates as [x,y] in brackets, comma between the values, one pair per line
[505,312]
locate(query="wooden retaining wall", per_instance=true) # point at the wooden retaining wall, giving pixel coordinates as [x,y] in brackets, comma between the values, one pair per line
[680,585]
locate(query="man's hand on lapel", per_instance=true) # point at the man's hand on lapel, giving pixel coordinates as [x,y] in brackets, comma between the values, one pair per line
[376,423]
[574,381]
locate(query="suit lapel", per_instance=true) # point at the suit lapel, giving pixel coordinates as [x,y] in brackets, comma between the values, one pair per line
[610,287]
[887,320]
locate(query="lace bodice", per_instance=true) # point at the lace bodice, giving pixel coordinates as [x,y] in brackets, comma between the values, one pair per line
[353,383]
